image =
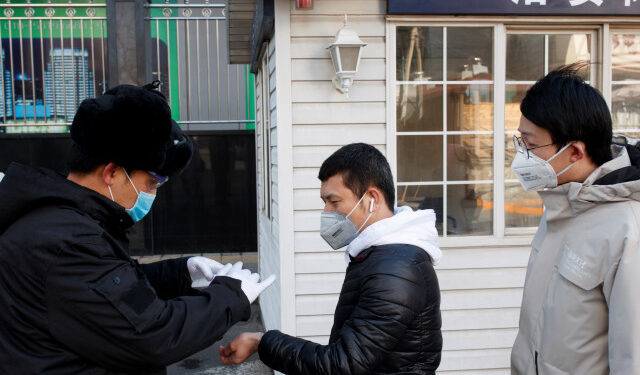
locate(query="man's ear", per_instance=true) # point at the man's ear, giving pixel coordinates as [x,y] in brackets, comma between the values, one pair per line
[376,194]
[109,173]
[578,151]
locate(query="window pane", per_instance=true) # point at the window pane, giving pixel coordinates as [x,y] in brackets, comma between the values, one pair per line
[470,209]
[513,96]
[525,57]
[419,54]
[626,56]
[469,157]
[470,108]
[569,48]
[469,53]
[419,108]
[420,158]
[522,208]
[423,197]
[625,107]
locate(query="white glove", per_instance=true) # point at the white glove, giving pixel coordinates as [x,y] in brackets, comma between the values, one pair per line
[251,285]
[202,270]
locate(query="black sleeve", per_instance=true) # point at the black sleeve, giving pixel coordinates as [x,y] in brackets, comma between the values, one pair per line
[105,310]
[388,304]
[170,278]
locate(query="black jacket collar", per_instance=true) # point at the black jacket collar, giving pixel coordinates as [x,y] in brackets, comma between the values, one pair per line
[25,189]
[630,173]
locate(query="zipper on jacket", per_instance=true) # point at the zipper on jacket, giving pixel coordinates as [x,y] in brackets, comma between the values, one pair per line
[536,359]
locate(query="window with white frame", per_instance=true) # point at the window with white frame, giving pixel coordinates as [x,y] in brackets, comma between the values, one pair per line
[458,90]
[530,55]
[625,82]
[444,82]
[264,136]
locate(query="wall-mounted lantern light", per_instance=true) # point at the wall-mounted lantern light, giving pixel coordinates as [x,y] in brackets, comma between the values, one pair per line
[345,53]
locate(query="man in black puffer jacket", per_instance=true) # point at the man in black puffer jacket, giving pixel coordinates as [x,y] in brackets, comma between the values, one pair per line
[388,316]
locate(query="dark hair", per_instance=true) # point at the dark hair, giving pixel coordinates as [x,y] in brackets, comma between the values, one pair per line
[362,166]
[79,161]
[571,110]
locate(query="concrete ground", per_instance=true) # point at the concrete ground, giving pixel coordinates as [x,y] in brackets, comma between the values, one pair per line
[207,362]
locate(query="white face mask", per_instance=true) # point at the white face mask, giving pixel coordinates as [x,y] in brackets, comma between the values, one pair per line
[338,230]
[536,173]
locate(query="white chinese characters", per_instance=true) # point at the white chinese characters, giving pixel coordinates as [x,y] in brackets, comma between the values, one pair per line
[574,3]
[580,2]
[529,2]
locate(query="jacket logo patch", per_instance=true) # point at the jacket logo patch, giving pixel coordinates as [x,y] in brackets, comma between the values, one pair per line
[577,269]
[575,262]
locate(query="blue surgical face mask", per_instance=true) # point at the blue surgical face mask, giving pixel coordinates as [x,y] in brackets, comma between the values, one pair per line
[143,203]
[142,206]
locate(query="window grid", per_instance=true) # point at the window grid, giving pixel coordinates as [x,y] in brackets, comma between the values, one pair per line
[445,133]
[510,206]
[600,52]
[629,129]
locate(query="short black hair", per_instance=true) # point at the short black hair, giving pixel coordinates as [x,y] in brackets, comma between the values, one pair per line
[82,162]
[361,166]
[571,110]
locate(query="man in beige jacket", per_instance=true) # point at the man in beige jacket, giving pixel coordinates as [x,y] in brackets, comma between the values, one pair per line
[581,307]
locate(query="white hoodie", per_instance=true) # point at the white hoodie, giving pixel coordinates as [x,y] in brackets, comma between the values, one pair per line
[417,228]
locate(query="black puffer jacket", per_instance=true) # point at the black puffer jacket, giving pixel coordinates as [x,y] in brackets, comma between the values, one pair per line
[387,321]
[73,300]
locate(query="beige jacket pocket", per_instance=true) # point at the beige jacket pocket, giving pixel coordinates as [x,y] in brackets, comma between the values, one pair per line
[578,269]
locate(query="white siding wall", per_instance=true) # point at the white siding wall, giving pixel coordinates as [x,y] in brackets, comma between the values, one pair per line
[323,120]
[268,227]
[481,284]
[481,290]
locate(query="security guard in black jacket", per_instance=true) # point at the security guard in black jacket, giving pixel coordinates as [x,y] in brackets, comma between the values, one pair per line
[74,302]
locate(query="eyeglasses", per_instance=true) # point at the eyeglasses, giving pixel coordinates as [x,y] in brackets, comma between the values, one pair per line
[521,145]
[160,180]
